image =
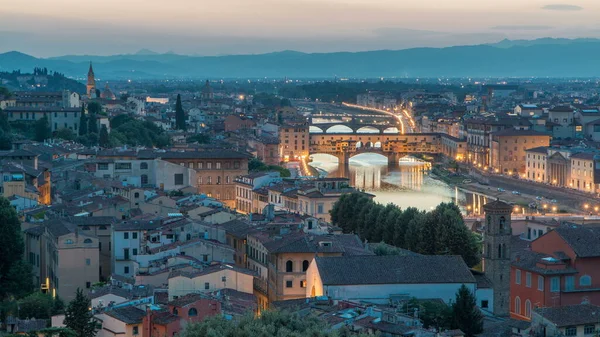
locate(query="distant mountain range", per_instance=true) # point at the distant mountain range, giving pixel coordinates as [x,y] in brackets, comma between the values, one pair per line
[509,58]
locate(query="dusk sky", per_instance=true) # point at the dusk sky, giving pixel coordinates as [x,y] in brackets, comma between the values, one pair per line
[58,27]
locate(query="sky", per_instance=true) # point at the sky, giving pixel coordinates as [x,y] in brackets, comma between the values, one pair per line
[46,28]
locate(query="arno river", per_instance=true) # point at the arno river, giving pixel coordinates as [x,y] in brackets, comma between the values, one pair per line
[409,184]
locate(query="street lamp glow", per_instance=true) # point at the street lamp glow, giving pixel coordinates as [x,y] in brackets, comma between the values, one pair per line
[586,206]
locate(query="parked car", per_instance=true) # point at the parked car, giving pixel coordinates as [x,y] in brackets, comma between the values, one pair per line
[539,198]
[500,189]
[516,192]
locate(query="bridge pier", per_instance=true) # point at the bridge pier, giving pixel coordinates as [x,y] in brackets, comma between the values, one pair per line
[343,158]
[393,159]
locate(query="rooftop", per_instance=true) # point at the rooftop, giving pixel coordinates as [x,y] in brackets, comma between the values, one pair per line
[349,270]
[571,315]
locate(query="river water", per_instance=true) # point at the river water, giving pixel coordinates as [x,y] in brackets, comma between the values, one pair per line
[409,184]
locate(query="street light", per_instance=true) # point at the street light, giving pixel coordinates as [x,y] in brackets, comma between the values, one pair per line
[554,209]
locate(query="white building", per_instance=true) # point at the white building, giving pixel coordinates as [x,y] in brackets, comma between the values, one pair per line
[378,278]
[146,172]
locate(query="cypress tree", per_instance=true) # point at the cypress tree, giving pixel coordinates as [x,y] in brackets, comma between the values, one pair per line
[103,137]
[42,129]
[465,314]
[179,114]
[79,317]
[92,124]
[83,123]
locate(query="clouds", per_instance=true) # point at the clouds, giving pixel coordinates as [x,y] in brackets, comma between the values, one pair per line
[563,7]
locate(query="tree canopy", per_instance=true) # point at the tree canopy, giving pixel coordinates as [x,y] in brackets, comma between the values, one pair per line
[39,306]
[270,323]
[438,232]
[15,274]
[256,165]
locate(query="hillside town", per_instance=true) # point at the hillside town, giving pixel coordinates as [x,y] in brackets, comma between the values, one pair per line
[166,209]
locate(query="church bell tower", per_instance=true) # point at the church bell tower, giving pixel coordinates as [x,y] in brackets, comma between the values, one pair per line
[496,253]
[91,83]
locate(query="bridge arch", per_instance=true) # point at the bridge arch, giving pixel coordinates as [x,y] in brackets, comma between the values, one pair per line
[377,145]
[359,144]
[368,129]
[340,128]
[315,129]
[392,129]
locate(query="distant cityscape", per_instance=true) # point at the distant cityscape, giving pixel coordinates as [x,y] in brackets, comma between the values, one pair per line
[393,207]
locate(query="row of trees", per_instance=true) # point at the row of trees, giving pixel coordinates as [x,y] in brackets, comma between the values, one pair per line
[441,231]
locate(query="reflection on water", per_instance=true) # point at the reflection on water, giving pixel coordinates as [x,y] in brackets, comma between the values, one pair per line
[409,184]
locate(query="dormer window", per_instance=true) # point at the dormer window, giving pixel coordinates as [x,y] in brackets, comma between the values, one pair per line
[325,244]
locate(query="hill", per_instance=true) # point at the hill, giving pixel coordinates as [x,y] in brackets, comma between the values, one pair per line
[537,58]
[41,79]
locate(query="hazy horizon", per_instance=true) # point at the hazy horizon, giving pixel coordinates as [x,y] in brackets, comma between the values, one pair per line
[227,27]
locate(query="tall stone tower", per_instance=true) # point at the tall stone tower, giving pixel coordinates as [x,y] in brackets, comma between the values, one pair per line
[496,253]
[91,83]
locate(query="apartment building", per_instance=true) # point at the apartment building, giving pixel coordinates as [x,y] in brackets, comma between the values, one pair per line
[246,200]
[293,141]
[64,258]
[559,270]
[508,149]
[584,172]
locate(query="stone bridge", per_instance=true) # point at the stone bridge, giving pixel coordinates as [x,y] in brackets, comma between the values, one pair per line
[393,146]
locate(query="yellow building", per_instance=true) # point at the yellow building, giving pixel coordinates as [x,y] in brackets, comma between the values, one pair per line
[293,141]
[583,172]
[508,151]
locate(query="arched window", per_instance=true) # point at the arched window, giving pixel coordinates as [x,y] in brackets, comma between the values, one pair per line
[175,311]
[504,254]
[68,241]
[87,241]
[289,266]
[136,195]
[144,179]
[585,281]
[517,305]
[501,223]
[188,236]
[499,251]
[143,166]
[192,312]
[305,264]
[528,308]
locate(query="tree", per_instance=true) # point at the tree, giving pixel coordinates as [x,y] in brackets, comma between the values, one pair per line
[39,306]
[92,124]
[465,314]
[94,108]
[103,140]
[179,114]
[66,134]
[79,317]
[11,252]
[42,129]
[83,123]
